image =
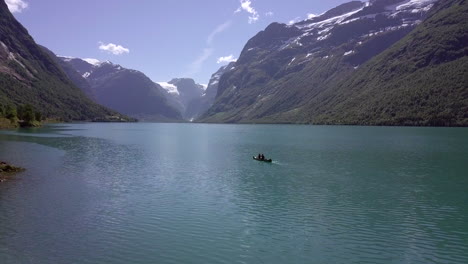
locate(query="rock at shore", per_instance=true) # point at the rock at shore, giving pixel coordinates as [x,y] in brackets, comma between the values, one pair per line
[7,171]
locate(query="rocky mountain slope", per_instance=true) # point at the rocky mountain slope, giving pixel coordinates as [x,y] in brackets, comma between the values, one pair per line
[421,80]
[124,90]
[292,73]
[72,74]
[202,104]
[28,75]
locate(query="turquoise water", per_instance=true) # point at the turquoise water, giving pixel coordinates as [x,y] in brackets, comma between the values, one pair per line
[189,193]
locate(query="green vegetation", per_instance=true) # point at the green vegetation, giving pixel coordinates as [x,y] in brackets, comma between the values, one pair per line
[421,80]
[22,115]
[403,78]
[28,75]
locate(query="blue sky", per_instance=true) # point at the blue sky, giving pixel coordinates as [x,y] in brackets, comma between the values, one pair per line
[162,38]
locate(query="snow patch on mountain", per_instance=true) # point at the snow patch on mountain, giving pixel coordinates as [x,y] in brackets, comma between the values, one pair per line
[4,46]
[328,22]
[66,58]
[216,77]
[170,88]
[91,61]
[415,4]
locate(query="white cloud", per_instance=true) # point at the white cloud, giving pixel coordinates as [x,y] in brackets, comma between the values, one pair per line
[113,48]
[269,14]
[218,30]
[16,6]
[246,5]
[310,16]
[196,65]
[225,59]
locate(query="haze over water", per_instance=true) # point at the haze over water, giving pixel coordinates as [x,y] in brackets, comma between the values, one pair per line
[189,193]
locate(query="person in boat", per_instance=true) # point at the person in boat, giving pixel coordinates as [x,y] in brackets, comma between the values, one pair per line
[262,157]
[259,156]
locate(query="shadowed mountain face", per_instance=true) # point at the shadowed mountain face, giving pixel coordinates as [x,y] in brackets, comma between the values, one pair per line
[73,75]
[125,90]
[29,75]
[133,93]
[199,106]
[295,73]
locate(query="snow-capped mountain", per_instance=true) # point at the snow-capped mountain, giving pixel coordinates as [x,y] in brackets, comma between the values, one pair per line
[285,67]
[397,13]
[125,90]
[352,24]
[182,95]
[169,87]
[193,99]
[185,95]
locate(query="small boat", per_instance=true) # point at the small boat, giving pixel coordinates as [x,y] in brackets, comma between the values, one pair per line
[264,160]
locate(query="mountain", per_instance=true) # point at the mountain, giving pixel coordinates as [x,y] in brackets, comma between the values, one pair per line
[208,98]
[296,73]
[28,75]
[193,99]
[125,90]
[72,74]
[421,80]
[187,96]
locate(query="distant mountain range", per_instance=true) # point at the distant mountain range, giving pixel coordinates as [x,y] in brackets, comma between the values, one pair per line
[384,62]
[131,92]
[193,99]
[125,90]
[28,75]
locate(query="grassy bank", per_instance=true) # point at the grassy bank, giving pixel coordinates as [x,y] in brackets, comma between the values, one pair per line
[6,123]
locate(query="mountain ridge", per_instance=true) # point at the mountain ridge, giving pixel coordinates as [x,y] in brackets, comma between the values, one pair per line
[28,75]
[294,65]
[126,90]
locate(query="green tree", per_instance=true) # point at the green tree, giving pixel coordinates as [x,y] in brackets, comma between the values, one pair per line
[20,112]
[10,112]
[38,116]
[27,115]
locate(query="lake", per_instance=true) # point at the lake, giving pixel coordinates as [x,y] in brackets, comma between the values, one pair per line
[191,193]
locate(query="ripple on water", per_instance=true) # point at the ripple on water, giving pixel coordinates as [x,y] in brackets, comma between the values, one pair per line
[151,194]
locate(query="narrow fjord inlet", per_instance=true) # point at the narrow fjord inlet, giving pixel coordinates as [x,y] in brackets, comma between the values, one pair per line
[234,131]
